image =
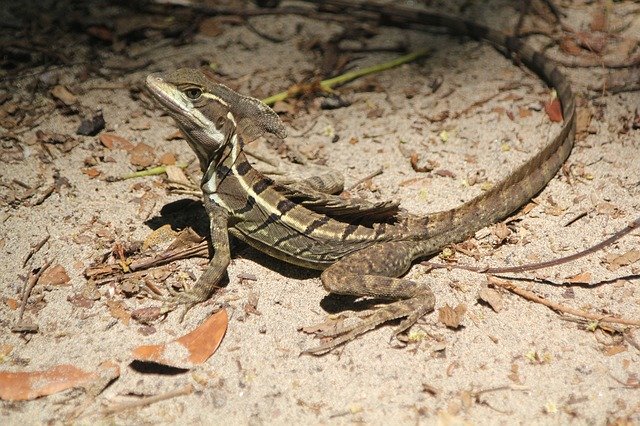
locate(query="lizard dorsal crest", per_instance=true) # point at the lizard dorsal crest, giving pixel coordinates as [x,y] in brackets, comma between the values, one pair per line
[253,118]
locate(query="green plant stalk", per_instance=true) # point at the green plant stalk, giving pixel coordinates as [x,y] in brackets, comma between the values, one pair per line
[327,85]
[152,171]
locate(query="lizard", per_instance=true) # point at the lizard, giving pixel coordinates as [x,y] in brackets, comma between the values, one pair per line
[363,249]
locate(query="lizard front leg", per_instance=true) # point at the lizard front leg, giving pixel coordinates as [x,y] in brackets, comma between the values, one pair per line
[372,272]
[208,281]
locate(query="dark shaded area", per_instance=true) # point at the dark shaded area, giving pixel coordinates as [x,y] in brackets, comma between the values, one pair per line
[155,368]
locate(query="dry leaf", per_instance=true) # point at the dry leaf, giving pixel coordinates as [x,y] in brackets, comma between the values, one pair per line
[616,262]
[23,385]
[581,278]
[599,19]
[583,121]
[118,311]
[554,110]
[451,317]
[162,235]
[167,159]
[191,349]
[92,172]
[55,275]
[176,174]
[524,112]
[492,297]
[62,94]
[142,155]
[614,350]
[112,141]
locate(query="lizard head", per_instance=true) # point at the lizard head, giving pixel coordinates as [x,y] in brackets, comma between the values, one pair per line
[210,113]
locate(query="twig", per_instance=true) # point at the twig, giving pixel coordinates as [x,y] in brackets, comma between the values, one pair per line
[142,402]
[366,178]
[327,85]
[35,249]
[198,250]
[540,265]
[30,284]
[508,285]
[46,194]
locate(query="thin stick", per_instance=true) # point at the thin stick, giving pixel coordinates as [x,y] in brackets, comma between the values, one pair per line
[35,249]
[508,285]
[327,85]
[142,402]
[31,283]
[546,264]
[366,178]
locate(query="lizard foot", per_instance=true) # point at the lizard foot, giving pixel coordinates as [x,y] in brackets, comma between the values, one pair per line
[413,309]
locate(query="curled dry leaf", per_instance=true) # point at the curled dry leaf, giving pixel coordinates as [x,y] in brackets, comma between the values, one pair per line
[492,297]
[615,262]
[177,175]
[113,141]
[191,349]
[63,94]
[26,385]
[452,317]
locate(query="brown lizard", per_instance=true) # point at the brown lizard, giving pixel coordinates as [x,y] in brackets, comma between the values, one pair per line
[362,248]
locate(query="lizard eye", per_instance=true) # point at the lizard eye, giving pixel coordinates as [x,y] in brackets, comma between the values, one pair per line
[193,93]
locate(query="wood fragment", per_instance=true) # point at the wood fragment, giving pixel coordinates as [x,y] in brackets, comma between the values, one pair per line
[29,285]
[143,402]
[35,249]
[558,307]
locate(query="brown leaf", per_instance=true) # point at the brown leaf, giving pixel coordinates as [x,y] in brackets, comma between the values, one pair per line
[191,349]
[92,172]
[167,159]
[615,262]
[113,141]
[451,317]
[501,231]
[614,350]
[55,275]
[162,235]
[554,110]
[176,174]
[492,297]
[581,278]
[62,94]
[599,19]
[210,27]
[118,311]
[524,112]
[142,155]
[583,121]
[569,45]
[26,385]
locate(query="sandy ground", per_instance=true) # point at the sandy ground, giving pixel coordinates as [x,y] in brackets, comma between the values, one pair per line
[523,364]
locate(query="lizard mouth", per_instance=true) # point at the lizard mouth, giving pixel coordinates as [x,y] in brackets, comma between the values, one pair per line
[167,95]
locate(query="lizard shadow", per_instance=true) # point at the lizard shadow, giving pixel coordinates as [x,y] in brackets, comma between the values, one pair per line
[188,212]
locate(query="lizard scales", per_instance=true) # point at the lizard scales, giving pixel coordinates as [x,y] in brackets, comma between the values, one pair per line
[362,247]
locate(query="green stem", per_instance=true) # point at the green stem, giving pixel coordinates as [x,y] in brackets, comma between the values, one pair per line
[158,170]
[328,84]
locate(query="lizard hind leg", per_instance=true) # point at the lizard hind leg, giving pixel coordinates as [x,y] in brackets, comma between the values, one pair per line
[373,272]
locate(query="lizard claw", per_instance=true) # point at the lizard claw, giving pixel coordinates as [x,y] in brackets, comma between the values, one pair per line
[413,309]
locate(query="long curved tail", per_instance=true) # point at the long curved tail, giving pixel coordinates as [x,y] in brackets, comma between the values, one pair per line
[527,180]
